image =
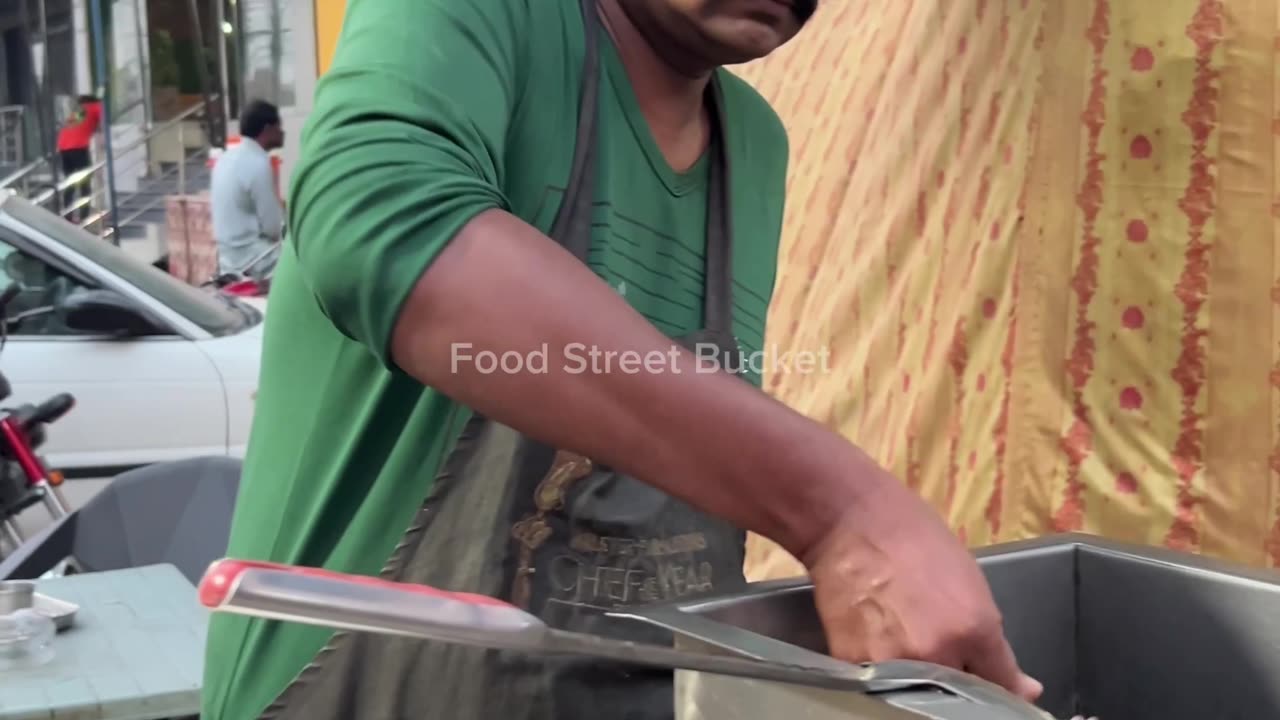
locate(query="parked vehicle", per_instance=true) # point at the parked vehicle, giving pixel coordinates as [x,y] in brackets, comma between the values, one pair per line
[253,280]
[160,370]
[251,283]
[24,479]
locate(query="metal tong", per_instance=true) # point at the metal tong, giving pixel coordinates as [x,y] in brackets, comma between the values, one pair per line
[355,602]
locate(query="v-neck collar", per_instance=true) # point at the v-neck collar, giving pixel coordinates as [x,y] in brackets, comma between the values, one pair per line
[677,183]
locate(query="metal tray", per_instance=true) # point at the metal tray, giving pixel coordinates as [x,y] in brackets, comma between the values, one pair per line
[1112,630]
[61,612]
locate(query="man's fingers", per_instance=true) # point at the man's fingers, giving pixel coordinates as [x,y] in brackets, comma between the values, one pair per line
[1029,688]
[993,660]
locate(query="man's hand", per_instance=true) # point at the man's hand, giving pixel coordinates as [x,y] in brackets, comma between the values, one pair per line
[892,582]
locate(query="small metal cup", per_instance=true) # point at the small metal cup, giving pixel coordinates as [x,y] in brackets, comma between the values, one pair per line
[16,595]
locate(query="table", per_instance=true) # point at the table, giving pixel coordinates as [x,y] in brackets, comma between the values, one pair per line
[136,651]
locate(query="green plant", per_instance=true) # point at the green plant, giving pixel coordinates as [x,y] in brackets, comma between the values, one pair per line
[164,60]
[188,58]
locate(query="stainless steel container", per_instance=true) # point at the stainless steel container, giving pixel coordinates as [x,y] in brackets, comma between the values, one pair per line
[16,595]
[1112,630]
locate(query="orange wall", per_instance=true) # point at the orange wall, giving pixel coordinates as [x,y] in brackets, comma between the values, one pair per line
[328,24]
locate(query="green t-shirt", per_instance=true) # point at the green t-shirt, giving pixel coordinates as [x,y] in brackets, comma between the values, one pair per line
[433,112]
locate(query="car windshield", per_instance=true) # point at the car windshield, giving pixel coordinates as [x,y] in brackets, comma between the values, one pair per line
[217,315]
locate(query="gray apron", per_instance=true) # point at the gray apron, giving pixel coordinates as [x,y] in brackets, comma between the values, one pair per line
[554,532]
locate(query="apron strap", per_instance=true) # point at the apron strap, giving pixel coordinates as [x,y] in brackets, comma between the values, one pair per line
[717,304]
[572,225]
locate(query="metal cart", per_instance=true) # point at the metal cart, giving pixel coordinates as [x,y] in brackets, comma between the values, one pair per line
[1112,630]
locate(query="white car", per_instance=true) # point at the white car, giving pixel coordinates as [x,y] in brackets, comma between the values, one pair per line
[160,370]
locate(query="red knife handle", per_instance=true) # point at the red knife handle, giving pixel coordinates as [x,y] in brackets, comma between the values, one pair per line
[222,577]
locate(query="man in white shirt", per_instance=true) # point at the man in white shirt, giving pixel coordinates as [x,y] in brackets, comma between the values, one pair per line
[247,216]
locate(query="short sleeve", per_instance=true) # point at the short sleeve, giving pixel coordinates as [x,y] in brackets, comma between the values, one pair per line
[404,147]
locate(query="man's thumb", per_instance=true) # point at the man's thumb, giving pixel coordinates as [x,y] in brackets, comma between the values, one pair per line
[996,662]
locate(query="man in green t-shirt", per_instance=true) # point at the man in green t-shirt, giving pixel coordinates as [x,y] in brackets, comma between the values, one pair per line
[522,228]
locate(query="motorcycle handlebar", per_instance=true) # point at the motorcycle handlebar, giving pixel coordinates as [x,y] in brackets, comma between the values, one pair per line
[46,412]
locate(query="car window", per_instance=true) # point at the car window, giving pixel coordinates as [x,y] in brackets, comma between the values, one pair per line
[215,315]
[41,290]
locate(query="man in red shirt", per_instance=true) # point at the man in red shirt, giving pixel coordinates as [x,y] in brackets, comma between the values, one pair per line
[74,140]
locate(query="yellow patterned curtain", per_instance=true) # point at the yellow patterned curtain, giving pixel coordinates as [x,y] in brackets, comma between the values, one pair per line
[1038,238]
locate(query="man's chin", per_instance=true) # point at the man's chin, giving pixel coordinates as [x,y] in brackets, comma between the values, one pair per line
[745,40]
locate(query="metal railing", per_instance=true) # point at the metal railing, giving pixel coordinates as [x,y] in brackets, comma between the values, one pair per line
[11,134]
[92,212]
[20,179]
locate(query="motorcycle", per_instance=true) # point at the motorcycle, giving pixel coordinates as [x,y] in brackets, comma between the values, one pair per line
[253,280]
[245,282]
[25,479]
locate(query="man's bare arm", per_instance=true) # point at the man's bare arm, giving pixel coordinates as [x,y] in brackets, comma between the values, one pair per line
[708,438]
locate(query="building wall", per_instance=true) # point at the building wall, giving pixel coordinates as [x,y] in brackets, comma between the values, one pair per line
[301,15]
[312,54]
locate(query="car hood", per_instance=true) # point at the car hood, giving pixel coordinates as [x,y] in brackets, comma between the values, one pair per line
[237,356]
